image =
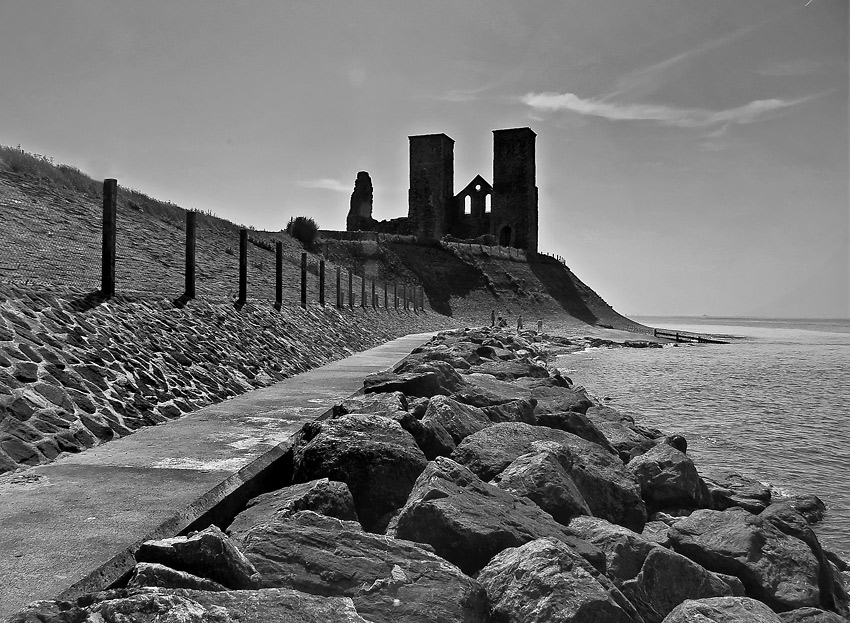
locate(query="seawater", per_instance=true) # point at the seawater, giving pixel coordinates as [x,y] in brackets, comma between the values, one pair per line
[773,404]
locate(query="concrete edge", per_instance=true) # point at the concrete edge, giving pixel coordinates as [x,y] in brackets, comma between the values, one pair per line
[233,493]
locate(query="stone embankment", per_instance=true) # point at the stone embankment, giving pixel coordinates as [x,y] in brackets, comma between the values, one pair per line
[75,373]
[474,484]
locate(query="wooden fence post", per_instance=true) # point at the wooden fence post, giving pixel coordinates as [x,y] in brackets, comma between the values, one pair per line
[304,280]
[278,275]
[404,296]
[243,269]
[322,283]
[395,294]
[363,290]
[191,231]
[338,288]
[386,298]
[374,298]
[350,289]
[107,265]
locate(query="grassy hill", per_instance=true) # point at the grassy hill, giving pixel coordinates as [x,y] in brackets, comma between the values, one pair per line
[53,216]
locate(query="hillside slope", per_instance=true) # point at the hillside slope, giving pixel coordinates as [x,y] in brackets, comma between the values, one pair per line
[52,236]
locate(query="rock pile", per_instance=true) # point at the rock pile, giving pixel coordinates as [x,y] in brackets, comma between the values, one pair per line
[74,374]
[474,484]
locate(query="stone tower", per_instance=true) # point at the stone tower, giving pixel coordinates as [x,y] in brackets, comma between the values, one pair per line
[360,208]
[431,194]
[514,216]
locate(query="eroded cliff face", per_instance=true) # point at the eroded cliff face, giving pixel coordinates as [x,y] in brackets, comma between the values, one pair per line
[76,373]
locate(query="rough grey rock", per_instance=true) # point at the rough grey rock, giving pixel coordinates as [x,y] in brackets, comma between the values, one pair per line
[511,370]
[541,478]
[611,492]
[373,455]
[514,411]
[485,390]
[811,615]
[388,579]
[722,610]
[468,521]
[207,554]
[323,496]
[625,551]
[784,516]
[666,579]
[729,489]
[576,423]
[668,478]
[427,379]
[544,581]
[378,404]
[775,568]
[457,419]
[157,605]
[155,574]
[558,399]
[617,428]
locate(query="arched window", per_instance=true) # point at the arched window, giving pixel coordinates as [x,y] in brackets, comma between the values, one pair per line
[467,205]
[487,203]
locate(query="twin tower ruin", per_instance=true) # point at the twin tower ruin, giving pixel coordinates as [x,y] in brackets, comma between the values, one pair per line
[505,212]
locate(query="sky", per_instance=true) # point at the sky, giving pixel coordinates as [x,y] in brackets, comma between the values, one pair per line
[692,156]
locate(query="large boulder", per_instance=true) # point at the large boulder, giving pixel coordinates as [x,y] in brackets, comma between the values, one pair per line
[775,568]
[157,605]
[785,516]
[540,477]
[617,428]
[729,488]
[485,390]
[669,479]
[373,455]
[722,610]
[513,411]
[430,378]
[811,615]
[576,423]
[457,419]
[468,521]
[611,492]
[544,581]
[206,554]
[625,551]
[155,574]
[511,370]
[666,579]
[556,399]
[323,496]
[388,579]
[386,404]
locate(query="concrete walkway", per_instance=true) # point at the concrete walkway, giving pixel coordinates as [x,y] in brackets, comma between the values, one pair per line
[69,527]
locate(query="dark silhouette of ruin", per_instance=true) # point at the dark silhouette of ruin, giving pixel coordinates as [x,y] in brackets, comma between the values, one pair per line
[504,212]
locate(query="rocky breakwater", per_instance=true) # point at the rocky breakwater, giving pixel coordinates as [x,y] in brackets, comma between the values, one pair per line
[76,372]
[475,484]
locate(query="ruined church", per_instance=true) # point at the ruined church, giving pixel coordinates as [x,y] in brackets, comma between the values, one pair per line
[505,212]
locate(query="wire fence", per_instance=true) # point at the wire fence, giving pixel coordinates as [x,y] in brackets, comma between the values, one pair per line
[49,238]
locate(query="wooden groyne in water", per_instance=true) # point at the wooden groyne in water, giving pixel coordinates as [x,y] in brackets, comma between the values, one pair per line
[685,336]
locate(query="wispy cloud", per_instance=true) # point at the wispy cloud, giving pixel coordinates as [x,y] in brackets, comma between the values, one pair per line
[665,115]
[800,67]
[327,183]
[642,82]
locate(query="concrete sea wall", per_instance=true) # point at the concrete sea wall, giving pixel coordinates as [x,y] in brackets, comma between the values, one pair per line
[76,372]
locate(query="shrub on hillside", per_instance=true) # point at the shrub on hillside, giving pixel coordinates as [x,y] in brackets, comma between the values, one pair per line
[304,230]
